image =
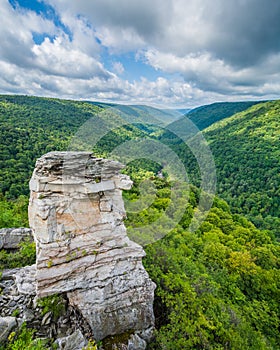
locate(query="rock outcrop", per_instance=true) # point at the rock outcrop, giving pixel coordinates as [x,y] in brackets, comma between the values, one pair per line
[11,237]
[76,213]
[17,305]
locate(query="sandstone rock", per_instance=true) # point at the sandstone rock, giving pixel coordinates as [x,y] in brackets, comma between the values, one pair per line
[75,341]
[47,318]
[8,274]
[27,311]
[76,212]
[136,343]
[147,334]
[7,324]
[28,315]
[11,237]
[25,280]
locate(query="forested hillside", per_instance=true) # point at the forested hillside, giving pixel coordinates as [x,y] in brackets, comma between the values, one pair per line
[246,151]
[33,126]
[246,148]
[217,288]
[207,115]
[30,127]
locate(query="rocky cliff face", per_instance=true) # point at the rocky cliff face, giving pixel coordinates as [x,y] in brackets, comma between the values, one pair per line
[76,213]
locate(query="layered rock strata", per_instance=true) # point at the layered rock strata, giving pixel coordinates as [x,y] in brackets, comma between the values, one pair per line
[76,212]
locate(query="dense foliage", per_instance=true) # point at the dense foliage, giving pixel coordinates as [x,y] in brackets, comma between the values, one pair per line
[246,151]
[207,115]
[24,339]
[33,126]
[246,148]
[26,255]
[13,213]
[29,128]
[217,288]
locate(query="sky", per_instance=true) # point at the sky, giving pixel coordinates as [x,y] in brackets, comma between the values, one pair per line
[171,53]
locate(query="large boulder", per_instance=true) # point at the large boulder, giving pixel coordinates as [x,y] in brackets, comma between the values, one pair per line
[75,341]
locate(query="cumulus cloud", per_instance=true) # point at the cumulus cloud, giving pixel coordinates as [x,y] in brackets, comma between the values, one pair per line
[160,92]
[61,58]
[16,33]
[211,74]
[202,50]
[119,24]
[241,32]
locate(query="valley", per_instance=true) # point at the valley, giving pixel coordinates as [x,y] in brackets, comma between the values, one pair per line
[217,287]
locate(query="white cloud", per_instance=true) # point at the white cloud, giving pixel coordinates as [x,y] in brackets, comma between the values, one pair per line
[121,40]
[83,33]
[203,50]
[161,92]
[210,74]
[16,33]
[118,68]
[238,31]
[123,24]
[61,58]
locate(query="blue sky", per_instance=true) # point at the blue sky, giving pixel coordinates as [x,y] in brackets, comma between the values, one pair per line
[175,53]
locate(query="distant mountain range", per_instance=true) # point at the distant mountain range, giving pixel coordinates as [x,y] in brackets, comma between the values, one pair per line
[245,145]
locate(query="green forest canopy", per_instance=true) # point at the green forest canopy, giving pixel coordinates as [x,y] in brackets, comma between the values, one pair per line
[217,288]
[207,115]
[246,151]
